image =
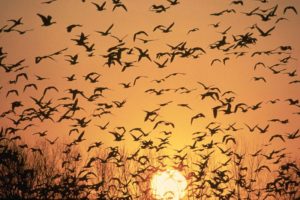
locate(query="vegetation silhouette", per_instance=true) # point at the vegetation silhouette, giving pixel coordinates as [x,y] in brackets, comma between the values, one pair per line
[114,174]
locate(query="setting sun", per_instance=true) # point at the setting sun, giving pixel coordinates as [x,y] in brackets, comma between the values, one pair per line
[169,184]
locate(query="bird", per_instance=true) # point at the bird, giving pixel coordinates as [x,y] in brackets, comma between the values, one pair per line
[265,33]
[141,131]
[225,31]
[18,76]
[163,65]
[125,85]
[173,2]
[30,85]
[227,138]
[256,106]
[38,150]
[293,135]
[251,129]
[166,123]
[159,8]
[280,19]
[259,64]
[12,91]
[73,59]
[80,138]
[292,8]
[53,141]
[214,60]
[137,78]
[185,105]
[293,101]
[149,115]
[95,145]
[276,136]
[100,7]
[237,2]
[263,130]
[136,138]
[119,104]
[120,5]
[207,87]
[295,81]
[163,28]
[215,25]
[139,33]
[107,32]
[40,78]
[262,167]
[256,153]
[292,73]
[281,121]
[38,59]
[72,26]
[199,115]
[49,88]
[70,78]
[104,127]
[174,74]
[47,20]
[143,54]
[192,30]
[120,40]
[273,101]
[223,11]
[16,22]
[118,136]
[48,2]
[127,65]
[256,78]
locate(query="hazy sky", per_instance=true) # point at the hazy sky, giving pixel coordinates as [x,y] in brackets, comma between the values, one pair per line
[236,75]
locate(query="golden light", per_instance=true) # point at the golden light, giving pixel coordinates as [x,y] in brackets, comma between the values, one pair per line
[168,185]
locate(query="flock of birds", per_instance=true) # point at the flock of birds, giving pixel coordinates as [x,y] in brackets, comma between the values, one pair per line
[53,105]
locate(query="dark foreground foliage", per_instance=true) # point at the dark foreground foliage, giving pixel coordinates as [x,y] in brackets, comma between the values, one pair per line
[113,174]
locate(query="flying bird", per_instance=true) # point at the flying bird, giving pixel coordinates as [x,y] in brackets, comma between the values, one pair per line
[264,33]
[47,20]
[100,7]
[107,32]
[292,8]
[197,116]
[72,26]
[259,79]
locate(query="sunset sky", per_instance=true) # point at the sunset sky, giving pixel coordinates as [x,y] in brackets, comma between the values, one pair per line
[236,75]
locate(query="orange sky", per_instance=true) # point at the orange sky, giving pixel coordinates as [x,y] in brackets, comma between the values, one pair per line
[237,75]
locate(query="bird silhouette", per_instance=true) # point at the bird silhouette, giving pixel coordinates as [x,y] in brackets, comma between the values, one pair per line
[159,8]
[264,33]
[47,20]
[197,116]
[163,65]
[292,8]
[48,2]
[255,78]
[120,5]
[276,136]
[72,26]
[163,28]
[100,7]
[107,32]
[52,142]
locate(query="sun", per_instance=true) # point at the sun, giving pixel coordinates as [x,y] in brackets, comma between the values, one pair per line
[168,185]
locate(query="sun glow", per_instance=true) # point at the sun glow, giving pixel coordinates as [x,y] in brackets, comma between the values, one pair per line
[168,185]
